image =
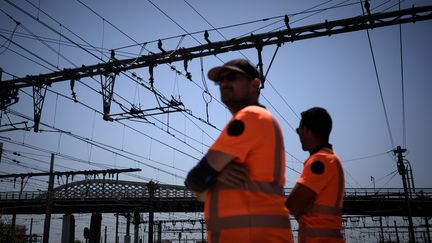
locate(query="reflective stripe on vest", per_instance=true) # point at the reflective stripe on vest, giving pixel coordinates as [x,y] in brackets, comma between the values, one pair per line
[324,210]
[246,221]
[249,221]
[258,186]
[333,210]
[318,232]
[215,223]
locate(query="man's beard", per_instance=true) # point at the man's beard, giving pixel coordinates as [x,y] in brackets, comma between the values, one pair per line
[231,100]
[227,96]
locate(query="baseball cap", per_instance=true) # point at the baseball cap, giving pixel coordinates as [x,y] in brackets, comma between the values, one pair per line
[237,65]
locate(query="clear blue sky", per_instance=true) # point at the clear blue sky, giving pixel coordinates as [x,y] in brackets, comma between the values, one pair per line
[335,72]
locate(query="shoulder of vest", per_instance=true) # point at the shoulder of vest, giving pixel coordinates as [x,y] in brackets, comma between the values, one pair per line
[254,111]
[321,156]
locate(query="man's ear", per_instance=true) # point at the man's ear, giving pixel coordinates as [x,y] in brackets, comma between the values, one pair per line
[256,83]
[308,132]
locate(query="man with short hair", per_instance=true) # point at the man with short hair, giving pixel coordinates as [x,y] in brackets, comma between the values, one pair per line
[253,211]
[317,198]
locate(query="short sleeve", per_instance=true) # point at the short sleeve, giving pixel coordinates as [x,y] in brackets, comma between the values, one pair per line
[240,135]
[316,174]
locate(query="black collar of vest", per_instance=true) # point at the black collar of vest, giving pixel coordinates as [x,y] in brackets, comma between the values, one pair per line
[255,104]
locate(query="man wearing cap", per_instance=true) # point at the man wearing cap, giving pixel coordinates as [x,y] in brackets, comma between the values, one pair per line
[255,211]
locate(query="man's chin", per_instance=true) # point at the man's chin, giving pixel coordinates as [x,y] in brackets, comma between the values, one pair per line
[227,99]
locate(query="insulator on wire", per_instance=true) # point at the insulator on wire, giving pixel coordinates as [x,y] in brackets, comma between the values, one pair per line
[160,46]
[286,20]
[367,7]
[112,55]
[151,78]
[206,37]
[188,74]
[73,94]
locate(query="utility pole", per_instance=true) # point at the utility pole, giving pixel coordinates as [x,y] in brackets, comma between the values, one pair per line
[116,230]
[427,229]
[402,171]
[1,151]
[202,230]
[396,231]
[159,233]
[136,222]
[31,231]
[49,202]
[151,190]
[105,236]
[381,231]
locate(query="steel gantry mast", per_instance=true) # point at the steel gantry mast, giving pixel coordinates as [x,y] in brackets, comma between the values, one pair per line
[9,88]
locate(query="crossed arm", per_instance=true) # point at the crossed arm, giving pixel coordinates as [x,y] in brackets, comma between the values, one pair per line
[300,198]
[227,172]
[234,174]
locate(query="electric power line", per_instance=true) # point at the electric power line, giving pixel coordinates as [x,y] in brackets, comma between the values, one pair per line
[378,81]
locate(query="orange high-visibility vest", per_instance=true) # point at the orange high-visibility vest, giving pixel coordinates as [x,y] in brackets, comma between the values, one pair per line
[321,221]
[255,212]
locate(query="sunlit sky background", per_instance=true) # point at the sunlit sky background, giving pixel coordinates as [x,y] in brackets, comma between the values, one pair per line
[335,72]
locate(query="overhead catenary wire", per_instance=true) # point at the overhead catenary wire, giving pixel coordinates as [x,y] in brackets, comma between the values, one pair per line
[236,25]
[90,141]
[379,84]
[43,42]
[69,157]
[196,11]
[248,33]
[365,157]
[352,177]
[17,24]
[129,54]
[30,52]
[47,26]
[142,45]
[111,147]
[60,34]
[62,42]
[100,113]
[45,162]
[264,78]
[22,164]
[393,174]
[306,11]
[95,56]
[93,109]
[402,84]
[10,74]
[271,85]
